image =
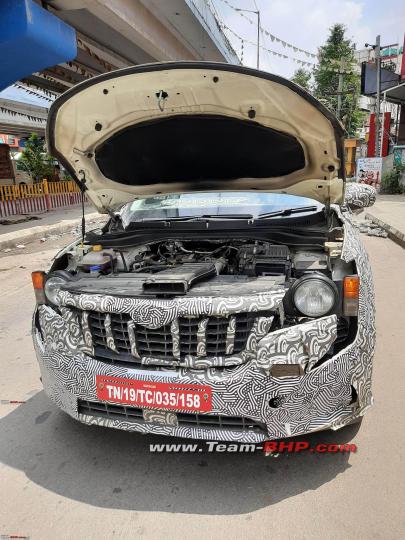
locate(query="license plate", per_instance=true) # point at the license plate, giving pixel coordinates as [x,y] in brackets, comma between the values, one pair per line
[154,395]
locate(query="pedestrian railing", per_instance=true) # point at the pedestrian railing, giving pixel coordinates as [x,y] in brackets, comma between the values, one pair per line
[35,198]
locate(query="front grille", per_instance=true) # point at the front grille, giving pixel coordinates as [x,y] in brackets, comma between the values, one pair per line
[119,329]
[154,342]
[213,421]
[158,343]
[215,334]
[236,423]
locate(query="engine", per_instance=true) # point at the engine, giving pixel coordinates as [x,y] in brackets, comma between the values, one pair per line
[174,267]
[236,258]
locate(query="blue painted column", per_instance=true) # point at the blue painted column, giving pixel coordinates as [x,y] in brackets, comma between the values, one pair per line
[31,39]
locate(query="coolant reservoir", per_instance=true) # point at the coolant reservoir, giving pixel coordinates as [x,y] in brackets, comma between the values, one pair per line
[103,258]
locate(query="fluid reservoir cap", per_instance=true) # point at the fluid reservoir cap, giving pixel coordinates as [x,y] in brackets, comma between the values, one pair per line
[97,247]
[95,268]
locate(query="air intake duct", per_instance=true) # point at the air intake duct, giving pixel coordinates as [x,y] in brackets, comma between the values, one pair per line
[178,280]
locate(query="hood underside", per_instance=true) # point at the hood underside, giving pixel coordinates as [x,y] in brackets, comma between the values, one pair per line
[185,126]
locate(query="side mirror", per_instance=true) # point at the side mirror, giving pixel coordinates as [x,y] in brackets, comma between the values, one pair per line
[359,196]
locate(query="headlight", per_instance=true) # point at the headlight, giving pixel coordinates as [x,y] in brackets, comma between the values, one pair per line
[314,296]
[52,287]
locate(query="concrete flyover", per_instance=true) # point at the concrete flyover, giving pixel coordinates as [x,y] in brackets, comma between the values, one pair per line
[112,35]
[21,119]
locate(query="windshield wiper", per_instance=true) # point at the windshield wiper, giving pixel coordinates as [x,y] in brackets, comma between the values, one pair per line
[203,217]
[287,212]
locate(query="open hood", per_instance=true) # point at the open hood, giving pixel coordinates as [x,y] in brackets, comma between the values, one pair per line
[195,126]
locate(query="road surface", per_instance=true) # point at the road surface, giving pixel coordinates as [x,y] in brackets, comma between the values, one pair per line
[63,480]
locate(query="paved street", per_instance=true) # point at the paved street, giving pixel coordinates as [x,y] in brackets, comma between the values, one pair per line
[390,209]
[63,480]
[15,223]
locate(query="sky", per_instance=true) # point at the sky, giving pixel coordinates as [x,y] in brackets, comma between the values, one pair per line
[305,24]
[21,95]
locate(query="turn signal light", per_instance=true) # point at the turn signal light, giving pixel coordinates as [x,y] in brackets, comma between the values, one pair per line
[38,281]
[351,285]
[351,289]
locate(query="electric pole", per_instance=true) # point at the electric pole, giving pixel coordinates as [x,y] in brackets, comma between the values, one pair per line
[378,96]
[258,30]
[258,38]
[340,87]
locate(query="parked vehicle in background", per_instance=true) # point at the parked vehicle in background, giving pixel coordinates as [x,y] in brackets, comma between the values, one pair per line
[12,170]
[22,176]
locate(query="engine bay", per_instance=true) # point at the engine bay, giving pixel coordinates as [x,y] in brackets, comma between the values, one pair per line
[178,267]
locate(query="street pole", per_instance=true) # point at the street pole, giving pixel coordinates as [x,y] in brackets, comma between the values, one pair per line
[258,39]
[340,88]
[378,96]
[258,30]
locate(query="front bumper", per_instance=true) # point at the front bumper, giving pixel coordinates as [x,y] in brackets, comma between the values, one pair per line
[319,399]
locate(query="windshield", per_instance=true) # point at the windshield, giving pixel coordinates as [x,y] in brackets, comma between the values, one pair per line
[212,204]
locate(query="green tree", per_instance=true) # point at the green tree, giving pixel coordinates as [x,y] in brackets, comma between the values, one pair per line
[391,181]
[303,78]
[36,160]
[337,56]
